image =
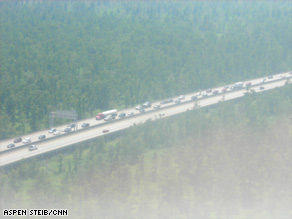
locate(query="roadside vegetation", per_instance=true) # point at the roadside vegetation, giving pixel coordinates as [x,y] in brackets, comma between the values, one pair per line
[93,56]
[229,161]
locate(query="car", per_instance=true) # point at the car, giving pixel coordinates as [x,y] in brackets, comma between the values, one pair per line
[215,92]
[198,94]
[108,118]
[72,125]
[209,90]
[146,104]
[42,136]
[10,145]
[52,130]
[290,73]
[204,95]
[105,131]
[68,129]
[178,101]
[26,140]
[170,100]
[161,114]
[248,84]
[264,79]
[224,89]
[194,97]
[262,88]
[85,125]
[32,147]
[16,140]
[122,115]
[130,113]
[139,107]
[279,76]
[57,133]
[142,110]
[156,106]
[270,77]
[181,97]
[283,76]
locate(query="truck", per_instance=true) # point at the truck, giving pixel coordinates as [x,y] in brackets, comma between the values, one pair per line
[238,85]
[102,115]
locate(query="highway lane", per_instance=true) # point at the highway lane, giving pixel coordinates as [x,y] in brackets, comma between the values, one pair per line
[92,121]
[73,138]
[34,136]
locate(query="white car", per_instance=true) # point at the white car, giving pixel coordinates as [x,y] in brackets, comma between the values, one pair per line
[26,140]
[32,148]
[130,113]
[52,130]
[156,106]
[161,114]
[181,97]
[57,133]
[139,107]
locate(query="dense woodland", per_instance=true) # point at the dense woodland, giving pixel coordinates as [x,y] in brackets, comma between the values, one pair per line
[92,56]
[229,161]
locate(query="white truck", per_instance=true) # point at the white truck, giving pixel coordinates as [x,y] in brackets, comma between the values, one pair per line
[102,115]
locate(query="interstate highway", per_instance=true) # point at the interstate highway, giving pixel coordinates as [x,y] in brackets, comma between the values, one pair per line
[14,155]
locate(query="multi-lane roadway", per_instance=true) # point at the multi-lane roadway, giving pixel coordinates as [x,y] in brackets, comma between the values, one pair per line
[20,151]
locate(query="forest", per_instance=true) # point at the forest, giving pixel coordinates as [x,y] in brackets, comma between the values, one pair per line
[228,161]
[231,161]
[96,55]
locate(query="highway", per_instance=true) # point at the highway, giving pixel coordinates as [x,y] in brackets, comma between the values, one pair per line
[52,142]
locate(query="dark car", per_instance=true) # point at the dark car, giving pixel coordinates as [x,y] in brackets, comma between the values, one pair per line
[142,110]
[16,140]
[10,145]
[224,89]
[270,77]
[208,90]
[122,115]
[68,129]
[194,97]
[262,88]
[105,131]
[178,101]
[42,136]
[72,125]
[85,125]
[215,92]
